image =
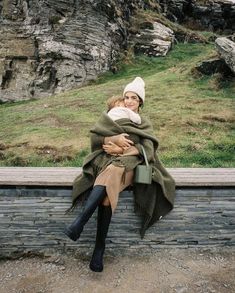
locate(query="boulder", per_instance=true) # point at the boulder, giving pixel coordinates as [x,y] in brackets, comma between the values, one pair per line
[154,41]
[226,49]
[212,66]
[215,15]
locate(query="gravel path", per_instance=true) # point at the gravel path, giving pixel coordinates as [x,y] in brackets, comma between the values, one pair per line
[164,271]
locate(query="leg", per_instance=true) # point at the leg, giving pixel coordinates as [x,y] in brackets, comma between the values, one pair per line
[96,196]
[115,181]
[106,201]
[103,221]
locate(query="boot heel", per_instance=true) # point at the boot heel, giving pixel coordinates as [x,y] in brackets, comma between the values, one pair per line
[103,221]
[96,264]
[68,232]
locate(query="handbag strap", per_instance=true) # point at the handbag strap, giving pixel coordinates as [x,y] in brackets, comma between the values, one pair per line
[145,156]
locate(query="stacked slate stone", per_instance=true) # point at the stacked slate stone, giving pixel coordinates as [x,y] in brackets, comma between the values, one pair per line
[33,220]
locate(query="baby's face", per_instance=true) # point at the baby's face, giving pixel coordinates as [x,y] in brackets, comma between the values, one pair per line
[120,104]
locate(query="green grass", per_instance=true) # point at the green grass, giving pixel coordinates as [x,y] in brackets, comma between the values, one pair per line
[192,115]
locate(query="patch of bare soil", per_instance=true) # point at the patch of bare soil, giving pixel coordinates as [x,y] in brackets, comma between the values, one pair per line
[163,271]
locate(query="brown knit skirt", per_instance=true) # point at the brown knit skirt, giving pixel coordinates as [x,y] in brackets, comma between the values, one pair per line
[116,179]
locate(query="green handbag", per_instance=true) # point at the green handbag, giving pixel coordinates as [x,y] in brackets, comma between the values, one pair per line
[143,173]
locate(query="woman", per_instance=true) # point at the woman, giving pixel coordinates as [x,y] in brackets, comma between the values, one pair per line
[109,169]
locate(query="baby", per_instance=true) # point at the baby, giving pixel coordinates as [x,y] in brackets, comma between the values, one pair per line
[117,110]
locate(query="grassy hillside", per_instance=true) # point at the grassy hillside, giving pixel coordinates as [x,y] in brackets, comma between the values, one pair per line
[193,116]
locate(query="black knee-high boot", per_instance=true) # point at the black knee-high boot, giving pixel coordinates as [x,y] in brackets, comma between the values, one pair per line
[95,198]
[103,221]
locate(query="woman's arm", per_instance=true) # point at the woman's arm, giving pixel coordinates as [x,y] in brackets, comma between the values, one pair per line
[115,144]
[97,141]
[121,140]
[108,143]
[113,149]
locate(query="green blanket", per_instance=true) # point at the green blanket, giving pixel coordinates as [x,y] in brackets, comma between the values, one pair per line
[151,201]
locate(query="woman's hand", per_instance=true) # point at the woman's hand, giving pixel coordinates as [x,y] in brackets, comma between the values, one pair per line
[121,140]
[112,149]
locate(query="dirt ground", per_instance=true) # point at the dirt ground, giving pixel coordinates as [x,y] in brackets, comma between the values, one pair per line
[162,270]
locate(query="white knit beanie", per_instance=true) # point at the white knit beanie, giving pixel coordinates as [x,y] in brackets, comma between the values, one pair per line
[137,87]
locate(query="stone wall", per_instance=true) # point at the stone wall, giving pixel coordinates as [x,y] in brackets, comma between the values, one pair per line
[32,220]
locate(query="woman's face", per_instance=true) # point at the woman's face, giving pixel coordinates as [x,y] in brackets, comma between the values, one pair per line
[132,101]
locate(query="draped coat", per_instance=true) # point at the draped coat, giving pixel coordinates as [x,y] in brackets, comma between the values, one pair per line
[151,201]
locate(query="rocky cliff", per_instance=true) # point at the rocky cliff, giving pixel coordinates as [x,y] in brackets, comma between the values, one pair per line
[53,45]
[47,46]
[214,15]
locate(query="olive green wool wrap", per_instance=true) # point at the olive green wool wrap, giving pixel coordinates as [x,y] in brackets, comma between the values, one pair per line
[152,201]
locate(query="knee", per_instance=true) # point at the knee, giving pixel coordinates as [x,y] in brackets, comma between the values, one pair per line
[106,201]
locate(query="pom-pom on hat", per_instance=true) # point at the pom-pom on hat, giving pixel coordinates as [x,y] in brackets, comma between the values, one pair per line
[137,87]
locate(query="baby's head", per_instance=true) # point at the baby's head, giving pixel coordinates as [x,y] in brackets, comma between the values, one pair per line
[115,101]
